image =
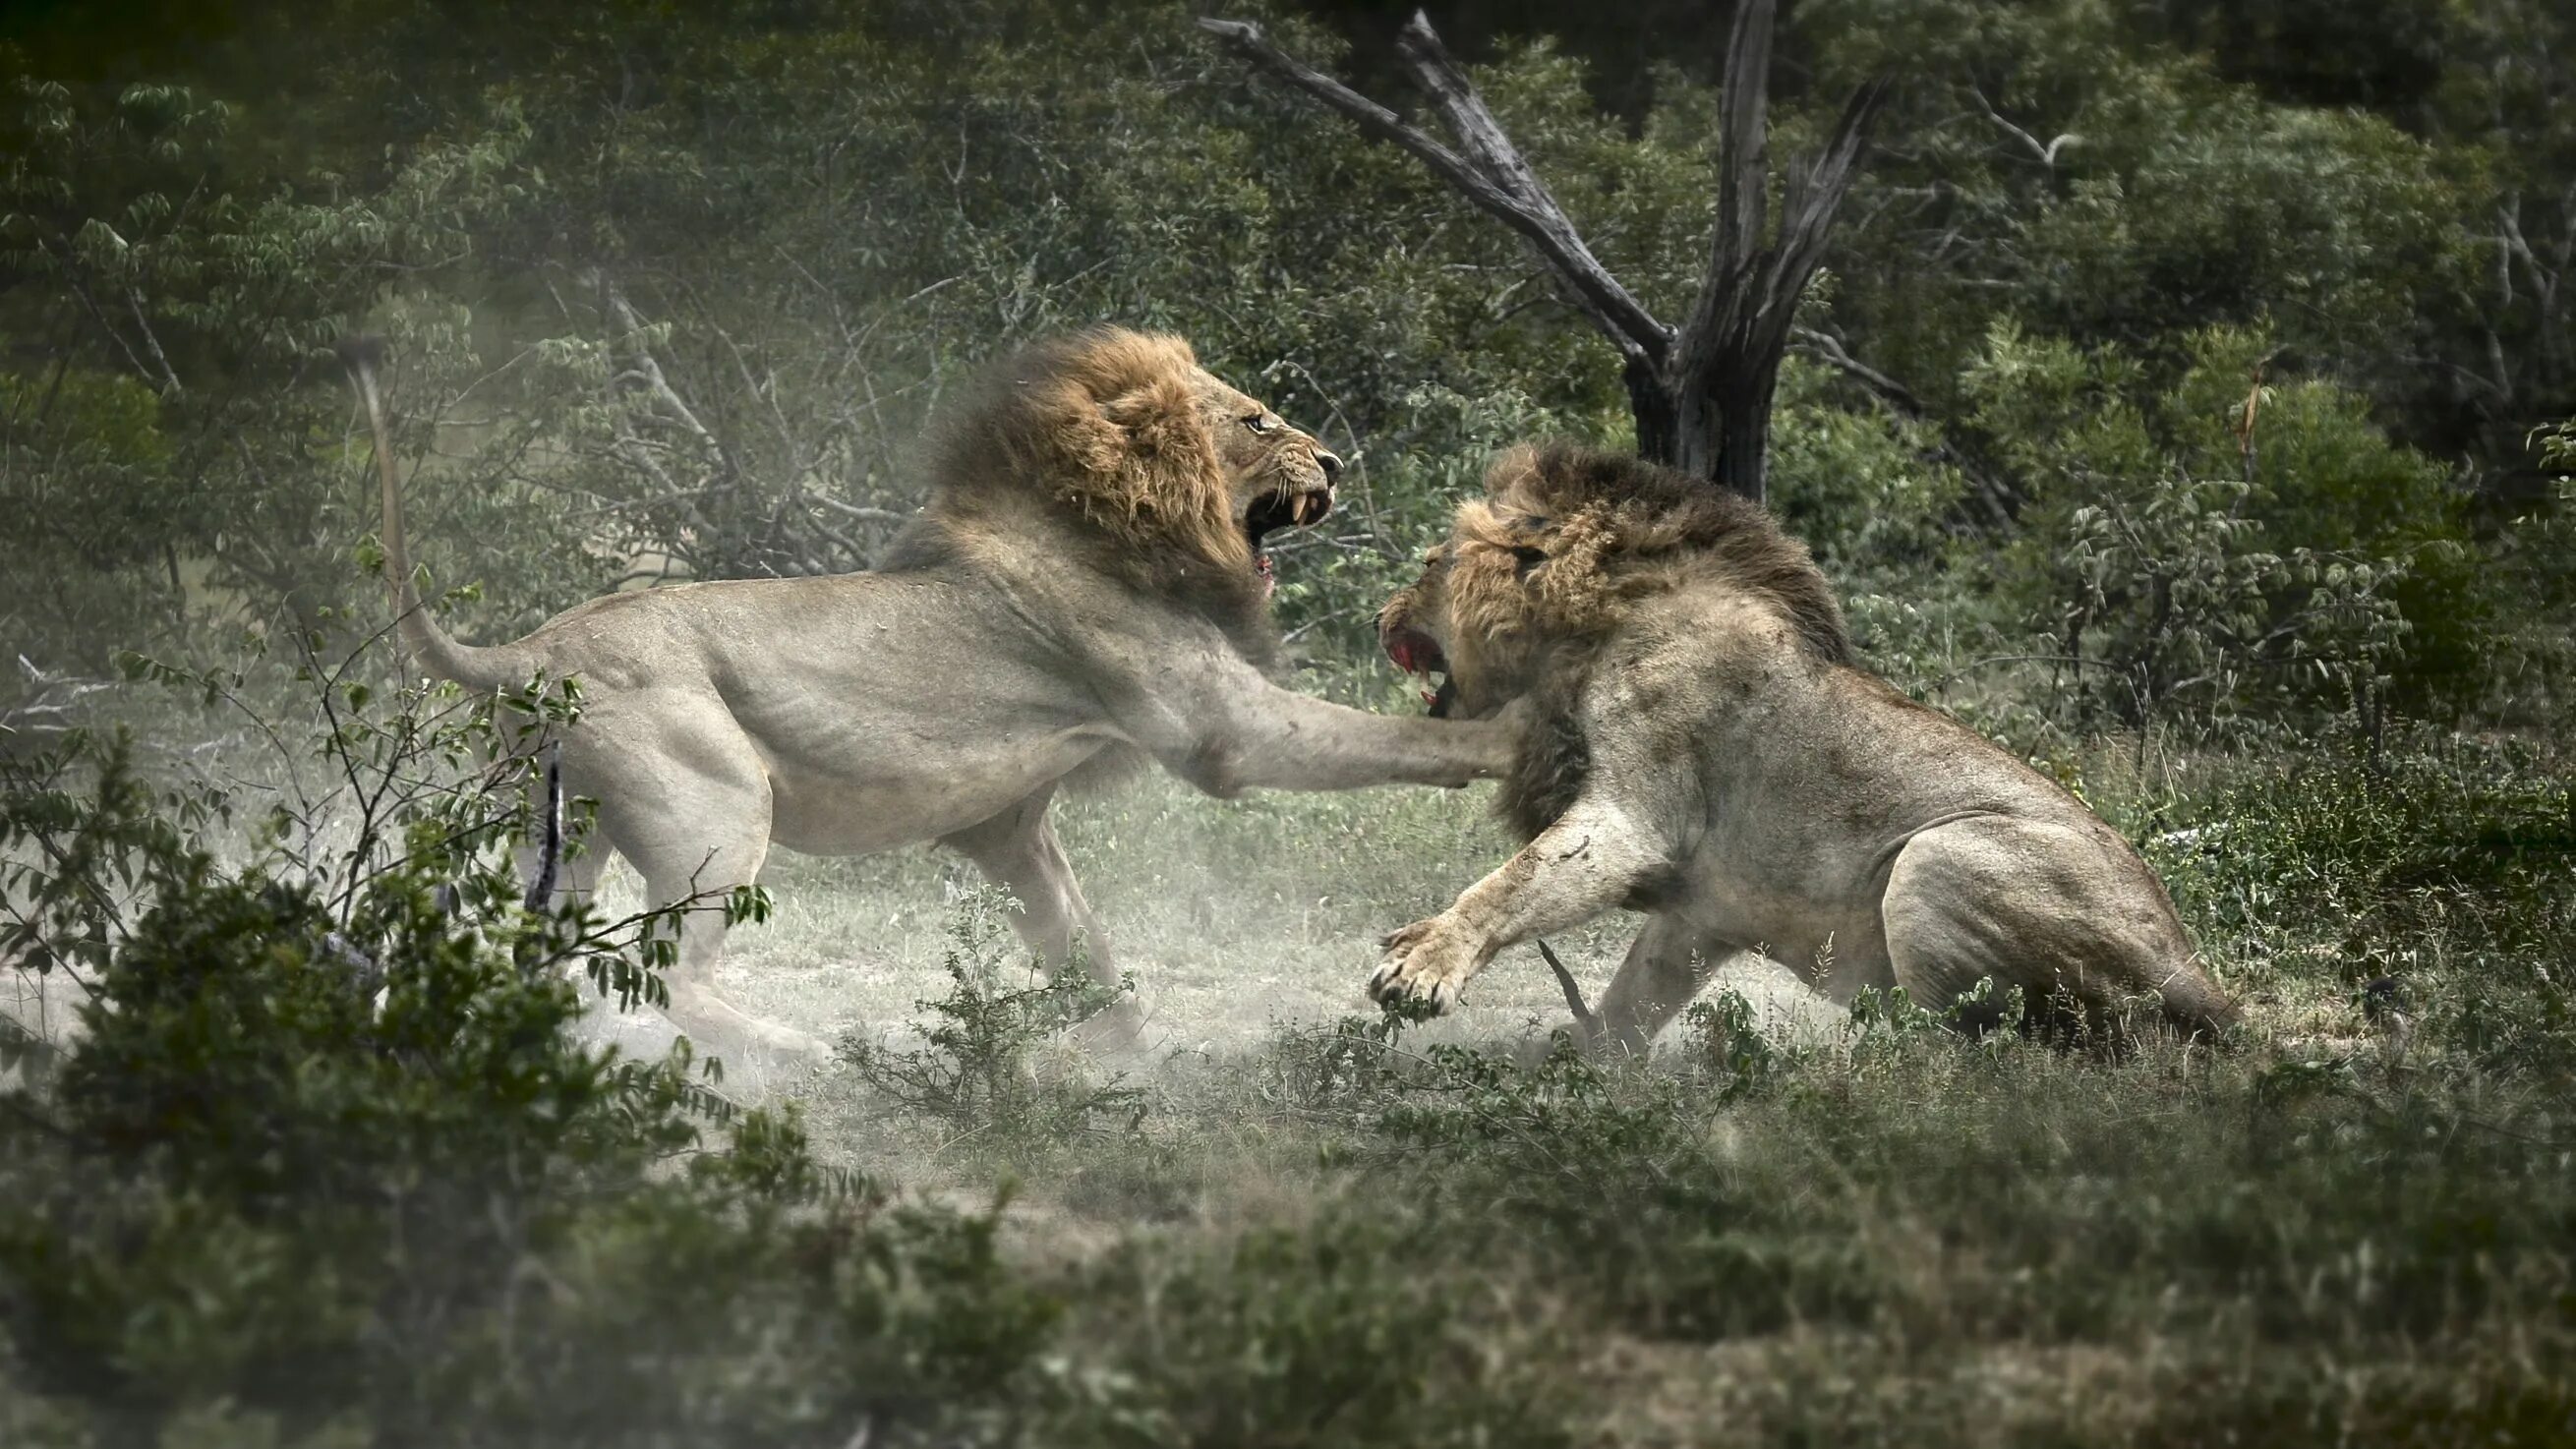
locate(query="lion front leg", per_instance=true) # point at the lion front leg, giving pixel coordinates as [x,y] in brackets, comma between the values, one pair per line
[1224,728]
[1596,856]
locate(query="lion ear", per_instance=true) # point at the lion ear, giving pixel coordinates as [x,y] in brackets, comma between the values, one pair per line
[1159,416]
[1530,557]
[1144,462]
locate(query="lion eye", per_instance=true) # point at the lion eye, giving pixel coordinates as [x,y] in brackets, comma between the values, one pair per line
[1258,423]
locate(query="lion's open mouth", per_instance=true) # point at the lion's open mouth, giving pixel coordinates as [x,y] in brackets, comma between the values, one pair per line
[1415,652]
[1286,508]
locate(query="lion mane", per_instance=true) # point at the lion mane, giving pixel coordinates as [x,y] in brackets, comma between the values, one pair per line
[1095,441]
[1588,535]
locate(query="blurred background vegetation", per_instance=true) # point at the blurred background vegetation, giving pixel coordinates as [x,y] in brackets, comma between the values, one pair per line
[2198,356]
[2186,401]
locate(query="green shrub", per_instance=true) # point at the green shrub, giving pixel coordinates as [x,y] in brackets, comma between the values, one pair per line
[1344,1330]
[987,1072]
[328,1156]
[2205,544]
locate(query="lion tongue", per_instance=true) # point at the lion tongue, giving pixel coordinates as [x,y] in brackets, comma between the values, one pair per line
[1261,566]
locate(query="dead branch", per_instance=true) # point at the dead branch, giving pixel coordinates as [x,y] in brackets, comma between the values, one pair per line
[1829,349]
[1533,214]
[1573,994]
[1702,394]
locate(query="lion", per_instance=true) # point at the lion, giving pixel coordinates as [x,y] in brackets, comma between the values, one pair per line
[1709,753]
[1086,587]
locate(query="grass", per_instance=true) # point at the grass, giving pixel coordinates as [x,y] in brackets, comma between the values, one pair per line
[1894,1236]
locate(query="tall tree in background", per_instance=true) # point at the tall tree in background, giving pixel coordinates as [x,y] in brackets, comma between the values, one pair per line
[1701,393]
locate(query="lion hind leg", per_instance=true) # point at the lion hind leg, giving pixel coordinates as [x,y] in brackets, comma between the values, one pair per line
[690,809]
[1666,967]
[2083,929]
[1018,851]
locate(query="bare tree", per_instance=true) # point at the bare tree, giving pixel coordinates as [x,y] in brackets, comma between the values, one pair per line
[1702,392]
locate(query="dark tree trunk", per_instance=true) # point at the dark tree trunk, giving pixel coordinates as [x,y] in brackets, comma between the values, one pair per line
[1744,435]
[1659,423]
[1701,394]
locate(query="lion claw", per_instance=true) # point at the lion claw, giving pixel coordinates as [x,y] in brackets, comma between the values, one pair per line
[1423,963]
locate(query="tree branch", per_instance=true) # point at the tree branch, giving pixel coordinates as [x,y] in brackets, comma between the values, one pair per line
[1701,396]
[1830,350]
[649,371]
[1743,183]
[1500,162]
[1500,193]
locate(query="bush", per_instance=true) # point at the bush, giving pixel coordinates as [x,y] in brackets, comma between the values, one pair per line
[1337,1331]
[328,1158]
[987,1074]
[2228,546]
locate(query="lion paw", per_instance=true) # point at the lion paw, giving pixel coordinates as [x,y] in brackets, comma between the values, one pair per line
[1426,961]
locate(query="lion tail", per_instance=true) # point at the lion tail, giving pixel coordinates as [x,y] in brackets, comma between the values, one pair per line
[438,652]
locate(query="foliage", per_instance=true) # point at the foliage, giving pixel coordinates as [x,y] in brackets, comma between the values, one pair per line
[327,1156]
[678,296]
[2232,546]
[985,1071]
[1312,1335]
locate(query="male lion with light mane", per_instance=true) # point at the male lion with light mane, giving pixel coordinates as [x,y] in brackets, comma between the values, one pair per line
[1086,584]
[1708,753]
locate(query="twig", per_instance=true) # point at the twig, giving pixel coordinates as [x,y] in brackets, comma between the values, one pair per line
[1573,994]
[1829,349]
[1532,213]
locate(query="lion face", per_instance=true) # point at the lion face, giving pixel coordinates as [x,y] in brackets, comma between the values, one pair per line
[1470,671]
[1277,476]
[1181,476]
[1413,628]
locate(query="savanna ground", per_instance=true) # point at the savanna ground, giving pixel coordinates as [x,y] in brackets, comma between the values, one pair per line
[1796,1222]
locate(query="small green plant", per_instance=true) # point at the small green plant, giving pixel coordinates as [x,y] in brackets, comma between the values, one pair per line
[1348,1063]
[1737,1053]
[1889,1014]
[985,1071]
[1317,1336]
[1989,1012]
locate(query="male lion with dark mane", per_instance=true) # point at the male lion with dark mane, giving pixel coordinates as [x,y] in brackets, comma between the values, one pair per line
[1086,584]
[1708,753]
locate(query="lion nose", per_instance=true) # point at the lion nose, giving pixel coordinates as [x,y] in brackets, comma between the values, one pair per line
[1331,465]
